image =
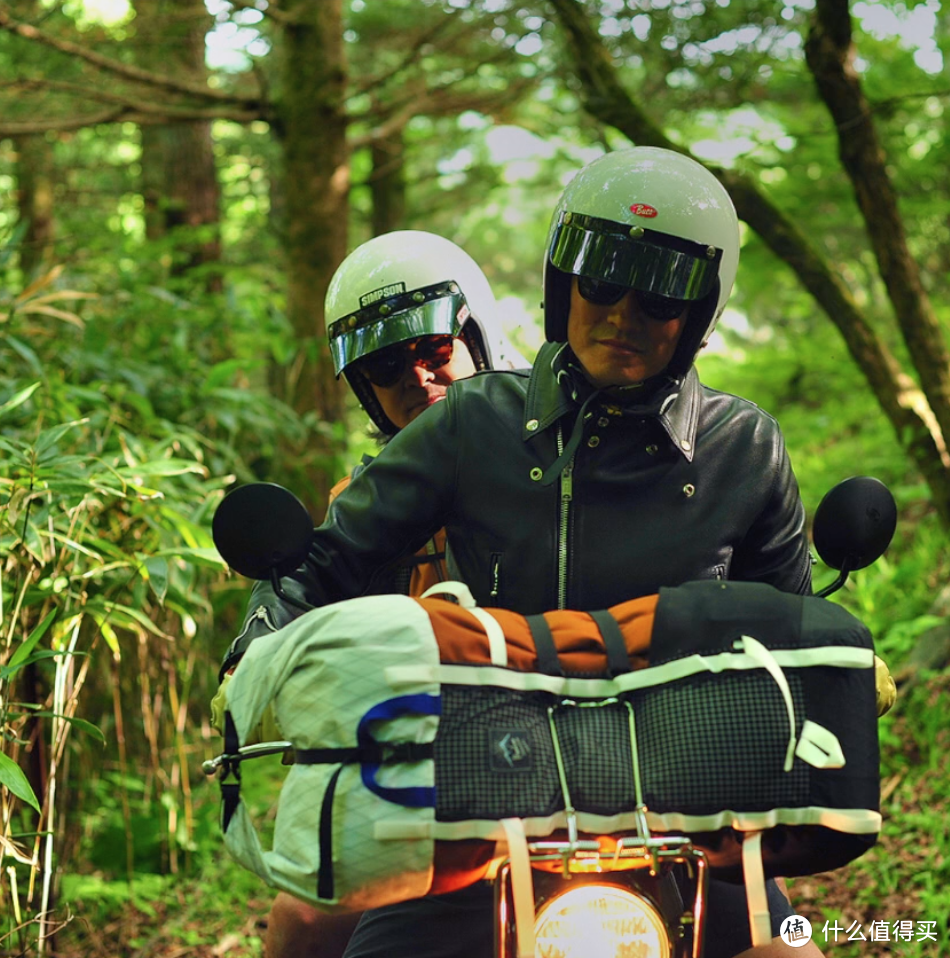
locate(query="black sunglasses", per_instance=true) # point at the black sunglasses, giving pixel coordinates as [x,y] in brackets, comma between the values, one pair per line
[661,308]
[385,367]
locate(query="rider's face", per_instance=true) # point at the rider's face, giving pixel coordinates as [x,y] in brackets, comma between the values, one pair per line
[619,344]
[417,387]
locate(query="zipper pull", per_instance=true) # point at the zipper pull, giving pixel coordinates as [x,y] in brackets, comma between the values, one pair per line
[495,574]
[567,482]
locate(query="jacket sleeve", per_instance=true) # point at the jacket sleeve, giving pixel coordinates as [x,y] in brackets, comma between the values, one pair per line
[389,509]
[775,549]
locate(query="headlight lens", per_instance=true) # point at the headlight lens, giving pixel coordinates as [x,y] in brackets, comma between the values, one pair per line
[600,921]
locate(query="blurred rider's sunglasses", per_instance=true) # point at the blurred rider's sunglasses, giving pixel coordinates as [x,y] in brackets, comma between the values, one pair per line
[661,308]
[385,367]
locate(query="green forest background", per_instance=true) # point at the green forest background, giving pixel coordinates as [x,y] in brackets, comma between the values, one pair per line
[179,180]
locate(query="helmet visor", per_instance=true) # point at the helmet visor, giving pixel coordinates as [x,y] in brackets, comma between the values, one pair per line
[432,311]
[634,257]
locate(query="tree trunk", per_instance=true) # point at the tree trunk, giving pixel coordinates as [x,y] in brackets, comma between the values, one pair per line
[387,183]
[179,176]
[905,406]
[830,54]
[34,174]
[312,128]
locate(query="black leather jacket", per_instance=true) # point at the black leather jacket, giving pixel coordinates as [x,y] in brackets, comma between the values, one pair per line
[691,484]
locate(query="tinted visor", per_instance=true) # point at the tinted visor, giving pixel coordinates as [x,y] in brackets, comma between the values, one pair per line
[431,311]
[634,257]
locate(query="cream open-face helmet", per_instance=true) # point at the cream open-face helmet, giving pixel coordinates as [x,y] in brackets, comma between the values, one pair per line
[406,284]
[652,220]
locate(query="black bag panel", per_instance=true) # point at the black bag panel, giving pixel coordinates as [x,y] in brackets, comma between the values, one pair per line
[845,701]
[704,618]
[595,745]
[825,623]
[493,755]
[787,850]
[714,742]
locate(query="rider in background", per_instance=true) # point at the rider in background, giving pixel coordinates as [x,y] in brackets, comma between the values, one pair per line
[432,320]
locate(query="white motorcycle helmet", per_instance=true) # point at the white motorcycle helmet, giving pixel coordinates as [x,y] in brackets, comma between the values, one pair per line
[652,220]
[406,284]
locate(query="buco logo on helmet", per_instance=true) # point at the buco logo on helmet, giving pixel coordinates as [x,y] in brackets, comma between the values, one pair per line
[643,209]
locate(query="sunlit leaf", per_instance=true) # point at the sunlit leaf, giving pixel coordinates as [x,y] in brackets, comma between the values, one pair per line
[205,557]
[30,643]
[40,282]
[81,724]
[37,307]
[19,398]
[13,779]
[48,438]
[162,467]
[157,570]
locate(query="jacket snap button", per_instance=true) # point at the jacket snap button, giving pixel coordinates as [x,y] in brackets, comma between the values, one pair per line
[603,421]
[686,444]
[689,490]
[531,425]
[651,450]
[536,474]
[593,441]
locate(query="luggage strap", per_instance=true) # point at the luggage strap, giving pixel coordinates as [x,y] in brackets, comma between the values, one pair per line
[378,753]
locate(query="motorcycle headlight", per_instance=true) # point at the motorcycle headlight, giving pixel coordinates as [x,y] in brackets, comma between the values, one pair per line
[600,921]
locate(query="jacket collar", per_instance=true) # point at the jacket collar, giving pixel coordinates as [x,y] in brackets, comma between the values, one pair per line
[548,400]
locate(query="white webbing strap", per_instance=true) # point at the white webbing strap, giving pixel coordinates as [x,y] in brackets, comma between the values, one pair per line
[497,647]
[760,921]
[764,658]
[819,746]
[459,589]
[522,888]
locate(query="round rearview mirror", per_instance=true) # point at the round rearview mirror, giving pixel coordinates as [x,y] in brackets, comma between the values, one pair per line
[854,523]
[262,528]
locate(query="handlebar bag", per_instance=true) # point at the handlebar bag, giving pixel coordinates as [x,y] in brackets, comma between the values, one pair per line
[420,727]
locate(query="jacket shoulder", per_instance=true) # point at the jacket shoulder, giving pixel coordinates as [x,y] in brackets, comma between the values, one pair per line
[719,403]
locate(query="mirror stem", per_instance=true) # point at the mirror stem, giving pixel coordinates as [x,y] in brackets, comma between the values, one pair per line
[275,583]
[838,583]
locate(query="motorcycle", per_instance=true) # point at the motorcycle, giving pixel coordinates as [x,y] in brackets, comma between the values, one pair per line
[637,892]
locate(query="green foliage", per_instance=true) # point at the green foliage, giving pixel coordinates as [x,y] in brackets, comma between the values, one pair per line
[126,410]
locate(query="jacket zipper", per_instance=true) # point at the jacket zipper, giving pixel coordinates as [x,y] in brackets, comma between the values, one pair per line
[261,614]
[563,545]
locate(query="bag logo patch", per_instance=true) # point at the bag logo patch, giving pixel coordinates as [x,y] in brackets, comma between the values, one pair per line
[510,750]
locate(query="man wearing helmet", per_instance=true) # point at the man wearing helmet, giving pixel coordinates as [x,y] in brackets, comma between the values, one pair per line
[408,313]
[605,473]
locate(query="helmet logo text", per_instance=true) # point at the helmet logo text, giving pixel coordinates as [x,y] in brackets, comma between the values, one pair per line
[383,293]
[643,209]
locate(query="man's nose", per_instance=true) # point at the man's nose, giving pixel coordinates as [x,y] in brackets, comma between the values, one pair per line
[626,312]
[419,374]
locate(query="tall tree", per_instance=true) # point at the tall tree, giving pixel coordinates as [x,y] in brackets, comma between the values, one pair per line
[35,173]
[179,177]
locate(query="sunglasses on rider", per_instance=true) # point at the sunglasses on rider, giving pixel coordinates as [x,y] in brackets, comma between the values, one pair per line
[385,367]
[661,308]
